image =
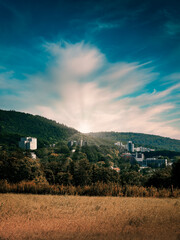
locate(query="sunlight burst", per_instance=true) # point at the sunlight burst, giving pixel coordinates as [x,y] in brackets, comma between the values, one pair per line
[84,128]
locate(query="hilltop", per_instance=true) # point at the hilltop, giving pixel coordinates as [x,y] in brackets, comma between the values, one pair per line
[15,124]
[140,139]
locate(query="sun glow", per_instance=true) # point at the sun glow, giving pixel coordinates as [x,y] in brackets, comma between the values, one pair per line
[84,128]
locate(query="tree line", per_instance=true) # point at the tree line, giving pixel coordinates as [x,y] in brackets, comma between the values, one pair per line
[62,167]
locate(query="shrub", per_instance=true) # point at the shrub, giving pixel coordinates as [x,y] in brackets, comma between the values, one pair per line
[39,186]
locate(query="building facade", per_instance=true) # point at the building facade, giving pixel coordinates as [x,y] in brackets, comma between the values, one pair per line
[130,146]
[28,143]
[139,157]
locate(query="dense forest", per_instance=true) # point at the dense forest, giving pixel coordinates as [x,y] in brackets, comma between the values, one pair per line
[87,170]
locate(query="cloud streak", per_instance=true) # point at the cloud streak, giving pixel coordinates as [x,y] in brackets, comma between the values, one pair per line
[81,89]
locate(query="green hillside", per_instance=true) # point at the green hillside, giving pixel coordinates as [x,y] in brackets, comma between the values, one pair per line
[15,124]
[140,139]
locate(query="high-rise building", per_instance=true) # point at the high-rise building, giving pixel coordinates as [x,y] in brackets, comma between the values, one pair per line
[130,146]
[81,143]
[28,143]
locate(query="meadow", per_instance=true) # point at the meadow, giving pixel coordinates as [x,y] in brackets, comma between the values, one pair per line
[27,216]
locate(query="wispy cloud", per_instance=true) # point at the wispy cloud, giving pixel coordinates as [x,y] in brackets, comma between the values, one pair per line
[172,24]
[80,88]
[172,28]
[175,77]
[99,24]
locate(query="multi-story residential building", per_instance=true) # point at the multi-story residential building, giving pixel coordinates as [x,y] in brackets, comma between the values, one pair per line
[154,162]
[75,143]
[130,146]
[119,144]
[28,143]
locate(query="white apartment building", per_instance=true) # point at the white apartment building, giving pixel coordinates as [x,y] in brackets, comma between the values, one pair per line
[119,144]
[28,143]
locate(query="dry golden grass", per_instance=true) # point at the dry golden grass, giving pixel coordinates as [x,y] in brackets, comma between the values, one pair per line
[73,217]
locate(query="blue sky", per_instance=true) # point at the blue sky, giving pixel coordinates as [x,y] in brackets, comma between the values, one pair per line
[93,65]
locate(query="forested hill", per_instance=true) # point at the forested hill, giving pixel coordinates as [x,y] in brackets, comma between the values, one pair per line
[140,139]
[17,124]
[14,124]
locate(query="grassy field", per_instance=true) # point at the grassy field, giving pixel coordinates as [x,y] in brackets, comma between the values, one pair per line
[73,217]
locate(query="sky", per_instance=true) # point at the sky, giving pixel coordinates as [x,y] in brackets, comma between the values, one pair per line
[93,65]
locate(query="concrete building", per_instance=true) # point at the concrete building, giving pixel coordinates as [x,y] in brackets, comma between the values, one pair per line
[154,162]
[137,149]
[120,145]
[81,143]
[28,143]
[144,149]
[130,146]
[75,143]
[139,157]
